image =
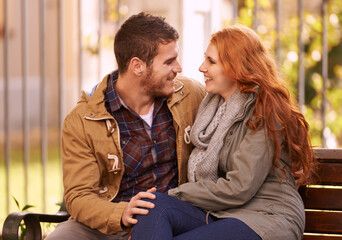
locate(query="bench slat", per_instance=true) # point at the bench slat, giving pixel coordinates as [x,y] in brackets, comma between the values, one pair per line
[328,155]
[322,198]
[329,173]
[312,237]
[323,222]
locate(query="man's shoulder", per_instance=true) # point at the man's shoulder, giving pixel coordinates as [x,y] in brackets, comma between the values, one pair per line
[188,83]
[90,102]
[187,91]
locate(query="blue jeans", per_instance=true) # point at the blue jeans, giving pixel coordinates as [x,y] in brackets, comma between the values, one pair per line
[172,218]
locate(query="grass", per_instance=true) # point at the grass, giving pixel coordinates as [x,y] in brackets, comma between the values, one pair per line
[53,180]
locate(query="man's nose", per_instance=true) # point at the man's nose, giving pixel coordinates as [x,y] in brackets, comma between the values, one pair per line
[178,67]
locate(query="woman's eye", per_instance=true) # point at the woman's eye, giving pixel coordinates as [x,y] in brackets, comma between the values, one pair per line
[211,61]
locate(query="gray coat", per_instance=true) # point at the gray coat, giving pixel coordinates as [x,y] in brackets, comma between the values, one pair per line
[249,186]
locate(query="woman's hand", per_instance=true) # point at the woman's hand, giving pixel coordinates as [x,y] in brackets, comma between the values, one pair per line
[136,205]
[297,176]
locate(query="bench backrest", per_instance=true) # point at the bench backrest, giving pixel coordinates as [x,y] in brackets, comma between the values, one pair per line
[323,201]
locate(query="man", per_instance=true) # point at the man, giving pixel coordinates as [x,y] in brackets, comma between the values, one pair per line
[129,138]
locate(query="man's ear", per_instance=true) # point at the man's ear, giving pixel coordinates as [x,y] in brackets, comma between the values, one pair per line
[137,66]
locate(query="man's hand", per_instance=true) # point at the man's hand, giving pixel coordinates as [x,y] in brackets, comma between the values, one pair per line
[135,206]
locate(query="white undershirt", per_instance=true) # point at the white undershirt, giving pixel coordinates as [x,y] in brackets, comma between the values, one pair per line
[148,118]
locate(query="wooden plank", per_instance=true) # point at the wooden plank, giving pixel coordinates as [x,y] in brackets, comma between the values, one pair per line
[323,222]
[329,173]
[322,198]
[330,155]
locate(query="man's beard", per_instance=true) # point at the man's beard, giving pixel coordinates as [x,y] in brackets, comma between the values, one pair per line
[153,87]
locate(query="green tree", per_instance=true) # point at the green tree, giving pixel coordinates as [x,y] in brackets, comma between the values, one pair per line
[312,30]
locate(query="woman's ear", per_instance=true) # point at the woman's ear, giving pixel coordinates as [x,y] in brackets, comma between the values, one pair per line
[137,66]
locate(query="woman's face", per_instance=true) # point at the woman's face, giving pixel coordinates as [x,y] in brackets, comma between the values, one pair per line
[216,80]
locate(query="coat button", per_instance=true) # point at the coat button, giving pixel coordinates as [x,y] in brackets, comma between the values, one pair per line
[168,101]
[231,133]
[92,114]
[181,93]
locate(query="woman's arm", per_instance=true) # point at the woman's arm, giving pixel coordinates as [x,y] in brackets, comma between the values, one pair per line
[250,165]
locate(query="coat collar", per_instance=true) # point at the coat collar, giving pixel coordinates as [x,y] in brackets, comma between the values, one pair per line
[96,103]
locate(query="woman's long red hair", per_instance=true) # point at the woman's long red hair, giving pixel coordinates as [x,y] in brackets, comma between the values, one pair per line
[246,60]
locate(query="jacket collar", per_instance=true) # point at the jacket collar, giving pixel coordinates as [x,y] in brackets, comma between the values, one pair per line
[179,93]
[96,103]
[248,104]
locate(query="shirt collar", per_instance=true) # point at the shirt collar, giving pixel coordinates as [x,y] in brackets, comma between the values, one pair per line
[113,99]
[112,96]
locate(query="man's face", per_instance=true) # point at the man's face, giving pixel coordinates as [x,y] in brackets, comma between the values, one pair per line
[160,76]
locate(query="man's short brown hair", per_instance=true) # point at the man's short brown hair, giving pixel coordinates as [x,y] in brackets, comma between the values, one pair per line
[139,36]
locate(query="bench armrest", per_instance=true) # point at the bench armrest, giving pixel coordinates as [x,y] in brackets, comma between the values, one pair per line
[32,222]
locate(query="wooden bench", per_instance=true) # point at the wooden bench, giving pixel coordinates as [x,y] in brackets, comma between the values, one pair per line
[323,201]
[323,205]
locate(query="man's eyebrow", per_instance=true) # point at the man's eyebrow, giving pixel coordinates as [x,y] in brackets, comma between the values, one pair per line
[170,59]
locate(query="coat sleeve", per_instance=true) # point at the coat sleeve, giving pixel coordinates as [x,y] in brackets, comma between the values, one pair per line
[250,165]
[81,178]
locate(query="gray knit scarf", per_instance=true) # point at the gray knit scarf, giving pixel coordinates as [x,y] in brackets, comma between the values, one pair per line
[214,118]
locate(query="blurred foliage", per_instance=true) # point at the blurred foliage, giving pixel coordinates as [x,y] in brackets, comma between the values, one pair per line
[312,30]
[22,225]
[115,11]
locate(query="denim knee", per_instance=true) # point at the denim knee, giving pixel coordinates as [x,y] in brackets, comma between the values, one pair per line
[161,201]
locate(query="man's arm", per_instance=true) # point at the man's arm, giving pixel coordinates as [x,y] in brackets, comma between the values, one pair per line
[81,176]
[82,180]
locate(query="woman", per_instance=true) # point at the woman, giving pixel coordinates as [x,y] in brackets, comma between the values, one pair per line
[248,138]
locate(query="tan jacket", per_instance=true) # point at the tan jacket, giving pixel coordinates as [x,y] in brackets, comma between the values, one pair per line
[92,156]
[249,188]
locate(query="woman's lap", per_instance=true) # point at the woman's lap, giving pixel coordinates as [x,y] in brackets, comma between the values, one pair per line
[226,228]
[173,217]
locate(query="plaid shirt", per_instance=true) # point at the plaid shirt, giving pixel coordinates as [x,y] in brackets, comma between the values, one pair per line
[142,171]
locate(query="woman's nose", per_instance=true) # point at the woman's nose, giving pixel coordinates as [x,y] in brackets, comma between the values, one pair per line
[202,68]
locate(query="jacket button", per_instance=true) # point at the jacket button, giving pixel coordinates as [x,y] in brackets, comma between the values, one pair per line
[108,196]
[168,101]
[92,114]
[181,93]
[231,133]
